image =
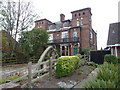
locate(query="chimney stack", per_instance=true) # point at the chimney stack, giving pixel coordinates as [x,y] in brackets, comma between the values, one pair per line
[62,17]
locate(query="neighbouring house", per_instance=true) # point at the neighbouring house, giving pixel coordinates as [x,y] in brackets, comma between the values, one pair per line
[114,39]
[7,41]
[70,35]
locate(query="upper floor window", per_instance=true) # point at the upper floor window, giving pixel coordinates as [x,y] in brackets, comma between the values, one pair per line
[79,14]
[64,24]
[91,35]
[75,33]
[78,23]
[83,13]
[75,15]
[50,27]
[37,24]
[50,37]
[81,21]
[65,36]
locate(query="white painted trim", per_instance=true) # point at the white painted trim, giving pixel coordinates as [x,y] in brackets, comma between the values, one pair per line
[116,51]
[113,45]
[112,51]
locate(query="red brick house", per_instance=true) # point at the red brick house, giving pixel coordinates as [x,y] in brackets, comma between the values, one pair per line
[114,39]
[6,40]
[69,36]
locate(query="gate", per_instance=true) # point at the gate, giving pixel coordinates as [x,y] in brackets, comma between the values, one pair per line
[98,56]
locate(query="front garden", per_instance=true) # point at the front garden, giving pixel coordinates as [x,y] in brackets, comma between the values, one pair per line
[71,71]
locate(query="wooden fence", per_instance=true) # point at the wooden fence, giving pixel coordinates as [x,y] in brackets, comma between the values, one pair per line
[15,61]
[30,71]
[33,73]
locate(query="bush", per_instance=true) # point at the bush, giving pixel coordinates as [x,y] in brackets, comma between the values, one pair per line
[80,56]
[107,77]
[100,84]
[111,58]
[108,72]
[66,65]
[92,64]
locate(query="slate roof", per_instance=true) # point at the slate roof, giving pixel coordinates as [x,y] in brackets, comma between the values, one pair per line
[43,19]
[114,34]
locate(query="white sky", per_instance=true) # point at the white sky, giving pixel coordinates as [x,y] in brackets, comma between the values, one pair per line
[104,12]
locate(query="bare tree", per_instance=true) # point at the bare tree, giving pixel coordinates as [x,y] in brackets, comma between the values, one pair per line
[16,17]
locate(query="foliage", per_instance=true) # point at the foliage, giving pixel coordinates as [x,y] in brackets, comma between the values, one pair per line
[66,65]
[108,72]
[92,64]
[80,56]
[16,17]
[99,84]
[118,60]
[86,50]
[33,42]
[107,77]
[9,79]
[111,58]
[21,57]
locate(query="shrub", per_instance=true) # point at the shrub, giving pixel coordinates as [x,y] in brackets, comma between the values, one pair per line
[92,64]
[108,72]
[100,84]
[107,77]
[66,65]
[80,56]
[111,58]
[118,60]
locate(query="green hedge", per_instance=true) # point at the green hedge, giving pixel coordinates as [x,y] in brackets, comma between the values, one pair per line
[111,58]
[66,65]
[107,77]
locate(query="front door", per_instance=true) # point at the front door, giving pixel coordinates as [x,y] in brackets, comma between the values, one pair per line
[75,50]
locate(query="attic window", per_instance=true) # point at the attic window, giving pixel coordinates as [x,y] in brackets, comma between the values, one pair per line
[83,13]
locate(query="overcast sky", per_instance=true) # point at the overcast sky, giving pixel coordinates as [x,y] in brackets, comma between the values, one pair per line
[104,12]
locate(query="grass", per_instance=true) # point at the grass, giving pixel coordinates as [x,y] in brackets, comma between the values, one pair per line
[9,79]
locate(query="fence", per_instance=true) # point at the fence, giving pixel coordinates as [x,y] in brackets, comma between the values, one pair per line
[33,73]
[15,61]
[29,73]
[98,56]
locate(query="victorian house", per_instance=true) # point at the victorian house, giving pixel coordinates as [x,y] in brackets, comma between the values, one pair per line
[69,36]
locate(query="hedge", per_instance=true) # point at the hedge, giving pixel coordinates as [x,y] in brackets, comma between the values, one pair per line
[66,65]
[111,58]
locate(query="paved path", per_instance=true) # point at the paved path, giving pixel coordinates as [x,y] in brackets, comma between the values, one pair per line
[91,76]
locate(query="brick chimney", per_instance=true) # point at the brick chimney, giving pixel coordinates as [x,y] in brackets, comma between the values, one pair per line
[62,17]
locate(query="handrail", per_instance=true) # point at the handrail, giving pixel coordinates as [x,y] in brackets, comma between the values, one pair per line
[72,39]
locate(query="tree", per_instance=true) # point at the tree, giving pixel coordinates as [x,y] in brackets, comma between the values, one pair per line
[33,42]
[86,50]
[16,17]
